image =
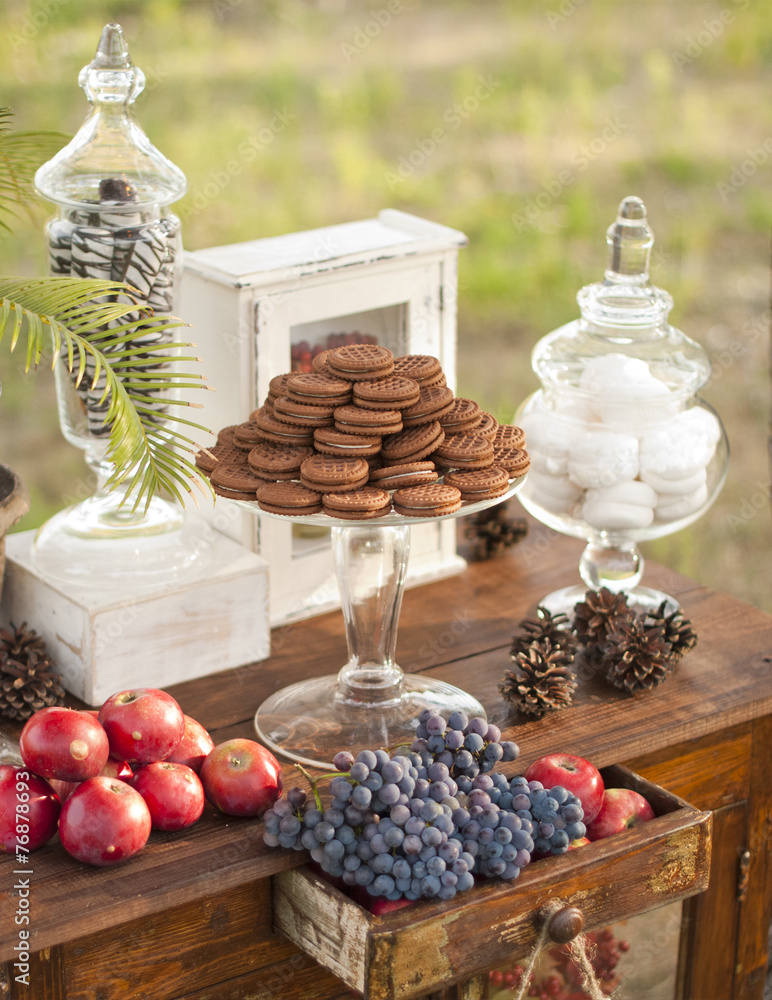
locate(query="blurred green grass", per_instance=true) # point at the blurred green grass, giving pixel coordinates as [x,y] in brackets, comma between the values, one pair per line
[586,102]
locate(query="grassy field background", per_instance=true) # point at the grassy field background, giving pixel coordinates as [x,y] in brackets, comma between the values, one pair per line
[521,123]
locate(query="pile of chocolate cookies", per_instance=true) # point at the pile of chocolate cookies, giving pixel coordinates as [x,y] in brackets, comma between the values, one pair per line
[361,435]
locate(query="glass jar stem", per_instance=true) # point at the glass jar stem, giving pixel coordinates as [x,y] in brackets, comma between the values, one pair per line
[618,567]
[370,563]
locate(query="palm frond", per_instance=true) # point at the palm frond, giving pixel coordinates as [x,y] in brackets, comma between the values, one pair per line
[21,153]
[146,458]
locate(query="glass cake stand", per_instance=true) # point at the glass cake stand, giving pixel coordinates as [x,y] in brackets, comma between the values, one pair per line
[370,702]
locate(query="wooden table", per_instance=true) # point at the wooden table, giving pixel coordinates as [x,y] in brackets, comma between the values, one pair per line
[190,917]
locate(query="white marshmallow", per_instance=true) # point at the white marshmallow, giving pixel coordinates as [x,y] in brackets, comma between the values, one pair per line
[614,516]
[632,491]
[674,487]
[678,507]
[682,447]
[602,458]
[554,493]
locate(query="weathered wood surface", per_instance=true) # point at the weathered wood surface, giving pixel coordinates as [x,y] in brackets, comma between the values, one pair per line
[416,950]
[702,719]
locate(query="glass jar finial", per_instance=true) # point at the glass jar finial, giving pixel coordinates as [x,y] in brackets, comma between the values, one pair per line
[626,298]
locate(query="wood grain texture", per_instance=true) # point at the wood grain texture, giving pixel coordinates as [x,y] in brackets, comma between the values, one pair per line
[756,909]
[432,945]
[298,977]
[46,980]
[196,945]
[711,918]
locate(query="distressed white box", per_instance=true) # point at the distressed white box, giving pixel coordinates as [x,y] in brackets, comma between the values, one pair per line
[255,305]
[106,641]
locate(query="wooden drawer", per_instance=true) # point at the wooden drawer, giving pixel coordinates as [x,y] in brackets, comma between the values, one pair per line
[434,944]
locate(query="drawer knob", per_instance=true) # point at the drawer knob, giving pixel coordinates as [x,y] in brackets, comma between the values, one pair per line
[564,925]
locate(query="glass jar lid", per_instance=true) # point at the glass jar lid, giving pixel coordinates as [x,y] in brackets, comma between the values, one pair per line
[110,159]
[624,321]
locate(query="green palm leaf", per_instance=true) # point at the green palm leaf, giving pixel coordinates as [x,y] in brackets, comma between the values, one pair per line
[20,155]
[148,458]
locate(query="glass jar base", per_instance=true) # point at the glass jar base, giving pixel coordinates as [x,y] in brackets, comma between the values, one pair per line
[308,722]
[641,598]
[97,545]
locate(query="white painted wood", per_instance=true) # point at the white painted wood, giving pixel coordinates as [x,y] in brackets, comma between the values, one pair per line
[394,276]
[107,641]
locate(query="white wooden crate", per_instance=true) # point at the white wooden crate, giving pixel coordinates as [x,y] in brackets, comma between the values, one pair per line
[105,640]
[393,277]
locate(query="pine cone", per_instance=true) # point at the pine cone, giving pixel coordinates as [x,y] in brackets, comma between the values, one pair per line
[637,656]
[491,531]
[27,679]
[555,628]
[678,630]
[601,613]
[542,679]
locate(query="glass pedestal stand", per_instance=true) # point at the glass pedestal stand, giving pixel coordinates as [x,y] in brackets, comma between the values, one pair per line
[370,702]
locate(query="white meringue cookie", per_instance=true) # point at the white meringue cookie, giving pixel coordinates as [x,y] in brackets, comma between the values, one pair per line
[613,516]
[674,487]
[602,458]
[554,493]
[682,447]
[678,507]
[633,491]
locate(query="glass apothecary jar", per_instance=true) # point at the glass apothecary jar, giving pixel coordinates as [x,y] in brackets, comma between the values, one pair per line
[112,191]
[622,447]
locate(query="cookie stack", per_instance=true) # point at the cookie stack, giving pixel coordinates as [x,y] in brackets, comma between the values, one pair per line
[363,434]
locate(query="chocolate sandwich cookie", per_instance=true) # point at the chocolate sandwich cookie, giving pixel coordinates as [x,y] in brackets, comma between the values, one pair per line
[271,429]
[487,426]
[229,480]
[433,403]
[331,474]
[291,499]
[360,362]
[422,368]
[289,411]
[413,444]
[277,461]
[319,363]
[207,459]
[353,419]
[391,393]
[227,435]
[479,484]
[394,477]
[465,415]
[432,500]
[322,390]
[357,505]
[278,386]
[465,451]
[514,460]
[330,441]
[509,436]
[247,435]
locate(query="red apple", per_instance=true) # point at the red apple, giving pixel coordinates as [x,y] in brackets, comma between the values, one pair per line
[241,778]
[622,808]
[104,821]
[29,810]
[143,724]
[62,743]
[172,792]
[196,743]
[579,842]
[578,775]
[113,769]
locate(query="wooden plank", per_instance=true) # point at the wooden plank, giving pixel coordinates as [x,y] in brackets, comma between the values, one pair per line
[756,909]
[46,978]
[433,944]
[187,948]
[298,977]
[711,772]
[710,919]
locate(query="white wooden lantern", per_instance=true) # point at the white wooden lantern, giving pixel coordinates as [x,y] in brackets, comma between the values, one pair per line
[259,309]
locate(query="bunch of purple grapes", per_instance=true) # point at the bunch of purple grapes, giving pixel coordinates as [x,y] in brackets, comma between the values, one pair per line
[422,823]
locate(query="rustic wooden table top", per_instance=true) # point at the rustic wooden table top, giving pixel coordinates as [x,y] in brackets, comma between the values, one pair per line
[460,630]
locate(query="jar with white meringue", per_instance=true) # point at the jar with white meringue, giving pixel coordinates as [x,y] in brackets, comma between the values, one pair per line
[622,447]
